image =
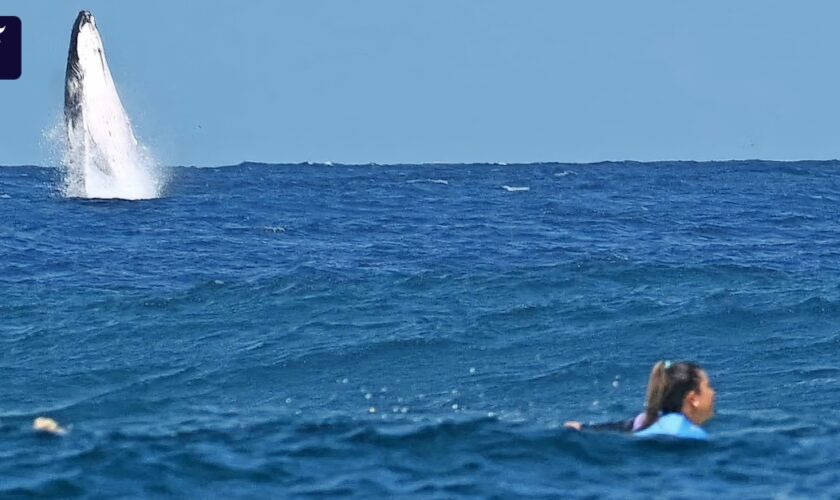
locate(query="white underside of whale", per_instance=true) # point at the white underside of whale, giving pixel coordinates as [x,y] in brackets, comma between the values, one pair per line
[103,158]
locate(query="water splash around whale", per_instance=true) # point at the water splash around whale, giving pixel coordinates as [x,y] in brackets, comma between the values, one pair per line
[101,157]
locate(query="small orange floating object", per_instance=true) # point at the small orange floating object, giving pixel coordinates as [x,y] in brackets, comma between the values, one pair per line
[47,425]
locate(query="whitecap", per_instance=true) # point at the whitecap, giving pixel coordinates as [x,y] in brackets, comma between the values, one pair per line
[565,173]
[428,181]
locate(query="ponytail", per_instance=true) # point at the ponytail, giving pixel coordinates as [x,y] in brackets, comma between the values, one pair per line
[657,383]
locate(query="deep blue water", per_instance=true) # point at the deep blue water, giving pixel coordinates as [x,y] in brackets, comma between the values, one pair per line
[299,330]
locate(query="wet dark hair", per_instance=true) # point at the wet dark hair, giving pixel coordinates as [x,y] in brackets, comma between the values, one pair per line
[667,388]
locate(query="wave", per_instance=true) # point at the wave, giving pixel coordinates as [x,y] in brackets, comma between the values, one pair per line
[452,456]
[428,181]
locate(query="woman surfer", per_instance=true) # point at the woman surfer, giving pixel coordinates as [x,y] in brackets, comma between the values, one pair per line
[679,393]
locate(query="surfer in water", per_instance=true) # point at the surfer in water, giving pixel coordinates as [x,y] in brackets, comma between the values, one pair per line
[688,401]
[679,399]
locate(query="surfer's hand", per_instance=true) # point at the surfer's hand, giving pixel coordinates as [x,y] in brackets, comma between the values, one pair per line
[572,424]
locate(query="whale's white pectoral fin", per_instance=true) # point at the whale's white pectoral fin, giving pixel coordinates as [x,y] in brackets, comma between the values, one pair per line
[2,29]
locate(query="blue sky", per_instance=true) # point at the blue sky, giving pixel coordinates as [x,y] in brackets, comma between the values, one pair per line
[219,82]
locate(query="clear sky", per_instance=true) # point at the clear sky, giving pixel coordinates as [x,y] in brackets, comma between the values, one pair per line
[387,81]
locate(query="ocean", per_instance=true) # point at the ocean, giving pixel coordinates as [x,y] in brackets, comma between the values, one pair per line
[420,330]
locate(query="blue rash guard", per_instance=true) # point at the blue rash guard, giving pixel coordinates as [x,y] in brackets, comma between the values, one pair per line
[675,425]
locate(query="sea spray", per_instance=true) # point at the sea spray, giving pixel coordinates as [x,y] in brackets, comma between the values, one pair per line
[101,156]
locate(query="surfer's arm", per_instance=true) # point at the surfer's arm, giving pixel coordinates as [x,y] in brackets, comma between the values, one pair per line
[618,426]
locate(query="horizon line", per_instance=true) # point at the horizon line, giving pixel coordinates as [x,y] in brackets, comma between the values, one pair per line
[467,163]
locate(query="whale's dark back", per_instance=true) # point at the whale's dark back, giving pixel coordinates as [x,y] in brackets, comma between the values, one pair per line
[72,104]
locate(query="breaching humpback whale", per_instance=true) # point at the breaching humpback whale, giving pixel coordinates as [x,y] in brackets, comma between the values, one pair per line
[103,158]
